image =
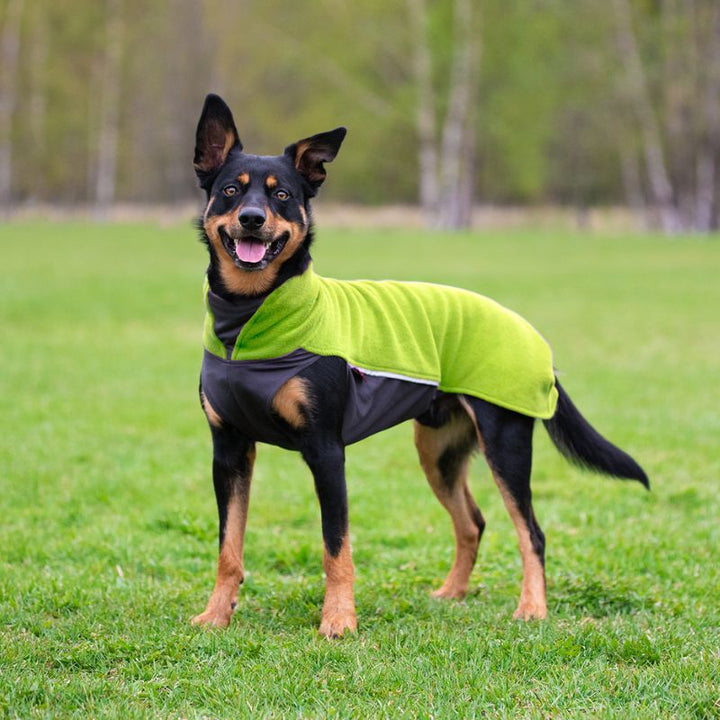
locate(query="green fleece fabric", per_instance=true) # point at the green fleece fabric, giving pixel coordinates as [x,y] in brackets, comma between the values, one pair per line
[462,341]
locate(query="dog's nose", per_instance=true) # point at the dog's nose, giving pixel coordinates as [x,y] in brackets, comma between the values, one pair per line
[252,218]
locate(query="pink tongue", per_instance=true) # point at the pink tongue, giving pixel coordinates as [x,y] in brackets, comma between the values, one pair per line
[249,251]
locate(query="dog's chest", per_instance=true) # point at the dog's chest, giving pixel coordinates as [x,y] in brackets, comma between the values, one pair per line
[242,393]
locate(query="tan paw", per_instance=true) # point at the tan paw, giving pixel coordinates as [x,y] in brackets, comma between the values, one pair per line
[334,625]
[528,610]
[217,614]
[450,592]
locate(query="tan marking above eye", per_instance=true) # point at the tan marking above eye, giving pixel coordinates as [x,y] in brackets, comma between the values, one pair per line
[271,182]
[244,178]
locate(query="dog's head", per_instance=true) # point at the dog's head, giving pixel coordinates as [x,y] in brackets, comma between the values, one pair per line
[257,219]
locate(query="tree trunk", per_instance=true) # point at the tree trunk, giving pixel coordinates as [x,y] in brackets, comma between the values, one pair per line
[658,178]
[9,53]
[706,199]
[632,184]
[466,190]
[458,145]
[679,91]
[446,173]
[38,93]
[425,112]
[107,150]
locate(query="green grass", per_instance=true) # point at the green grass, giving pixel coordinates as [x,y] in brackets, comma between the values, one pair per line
[108,530]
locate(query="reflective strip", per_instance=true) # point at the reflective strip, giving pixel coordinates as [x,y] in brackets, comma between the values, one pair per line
[394,376]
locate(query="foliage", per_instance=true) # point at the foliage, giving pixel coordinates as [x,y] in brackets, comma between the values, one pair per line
[555,120]
[109,532]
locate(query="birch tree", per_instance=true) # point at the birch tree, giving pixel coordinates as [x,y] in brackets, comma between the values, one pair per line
[107,149]
[38,53]
[9,53]
[678,127]
[446,157]
[425,120]
[639,96]
[707,204]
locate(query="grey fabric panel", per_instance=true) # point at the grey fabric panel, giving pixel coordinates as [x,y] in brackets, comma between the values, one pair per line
[377,403]
[241,392]
[230,316]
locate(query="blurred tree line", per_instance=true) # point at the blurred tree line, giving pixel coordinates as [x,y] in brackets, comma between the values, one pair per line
[448,102]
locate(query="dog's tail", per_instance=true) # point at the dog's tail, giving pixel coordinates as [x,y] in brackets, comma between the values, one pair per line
[579,442]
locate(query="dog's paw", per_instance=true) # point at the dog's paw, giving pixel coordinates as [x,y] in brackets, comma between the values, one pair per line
[449,592]
[334,625]
[217,614]
[528,610]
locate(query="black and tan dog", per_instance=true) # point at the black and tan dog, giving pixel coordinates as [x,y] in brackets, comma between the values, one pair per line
[272,374]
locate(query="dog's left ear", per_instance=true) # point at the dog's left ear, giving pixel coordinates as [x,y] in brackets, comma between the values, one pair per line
[308,155]
[216,136]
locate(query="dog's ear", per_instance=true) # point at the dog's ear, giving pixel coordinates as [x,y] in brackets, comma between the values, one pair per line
[216,136]
[308,155]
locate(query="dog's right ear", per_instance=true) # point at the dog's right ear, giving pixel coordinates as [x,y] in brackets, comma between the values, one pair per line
[310,155]
[216,136]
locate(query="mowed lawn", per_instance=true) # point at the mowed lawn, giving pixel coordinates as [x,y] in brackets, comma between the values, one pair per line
[108,522]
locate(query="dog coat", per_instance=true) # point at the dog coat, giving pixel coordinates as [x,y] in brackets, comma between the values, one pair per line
[403,342]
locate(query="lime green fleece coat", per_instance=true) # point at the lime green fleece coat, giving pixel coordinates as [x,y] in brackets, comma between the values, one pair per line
[461,341]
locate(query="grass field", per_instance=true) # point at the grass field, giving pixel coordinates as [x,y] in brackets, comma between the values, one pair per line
[108,530]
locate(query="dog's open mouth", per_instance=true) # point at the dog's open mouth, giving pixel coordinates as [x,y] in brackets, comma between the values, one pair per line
[250,252]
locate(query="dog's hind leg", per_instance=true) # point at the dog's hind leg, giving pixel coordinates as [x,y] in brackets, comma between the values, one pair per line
[233,459]
[506,438]
[445,452]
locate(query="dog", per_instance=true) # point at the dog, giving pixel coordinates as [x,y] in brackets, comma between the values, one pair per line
[313,364]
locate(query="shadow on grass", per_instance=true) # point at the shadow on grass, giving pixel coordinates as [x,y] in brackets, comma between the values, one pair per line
[200,528]
[595,598]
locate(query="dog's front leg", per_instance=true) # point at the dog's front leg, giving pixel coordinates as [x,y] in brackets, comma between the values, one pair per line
[328,467]
[233,460]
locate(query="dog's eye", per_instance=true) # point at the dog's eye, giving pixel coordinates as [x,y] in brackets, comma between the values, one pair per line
[229,191]
[282,194]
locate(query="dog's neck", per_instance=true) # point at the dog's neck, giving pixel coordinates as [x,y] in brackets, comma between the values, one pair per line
[230,315]
[231,312]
